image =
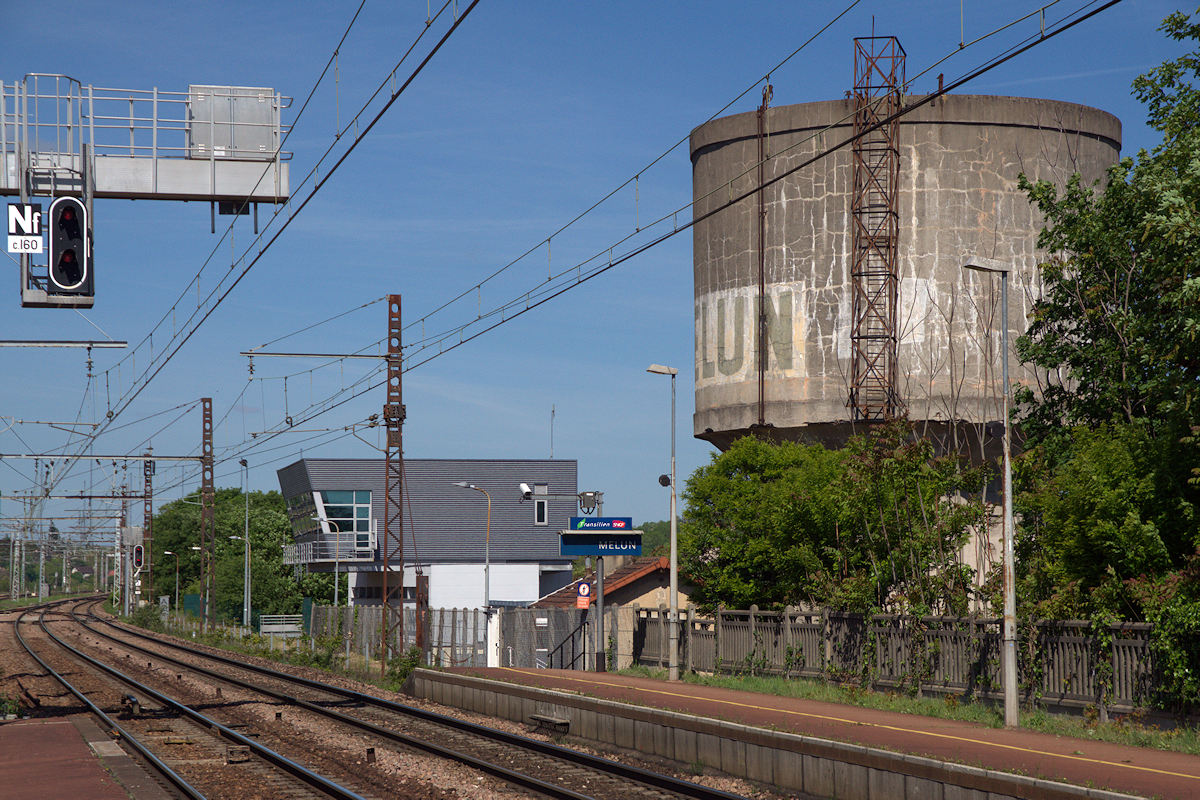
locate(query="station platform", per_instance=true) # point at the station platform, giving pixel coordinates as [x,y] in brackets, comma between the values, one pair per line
[815,748]
[67,758]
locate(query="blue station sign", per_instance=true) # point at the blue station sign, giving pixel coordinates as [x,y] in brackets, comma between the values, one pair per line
[600,543]
[601,536]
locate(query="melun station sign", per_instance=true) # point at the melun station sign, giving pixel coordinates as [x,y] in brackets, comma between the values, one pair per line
[600,536]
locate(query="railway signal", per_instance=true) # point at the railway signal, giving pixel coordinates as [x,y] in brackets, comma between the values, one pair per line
[138,556]
[69,253]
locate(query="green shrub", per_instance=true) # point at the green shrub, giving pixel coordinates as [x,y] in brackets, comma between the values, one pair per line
[399,668]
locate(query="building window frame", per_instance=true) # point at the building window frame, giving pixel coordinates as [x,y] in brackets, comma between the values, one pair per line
[541,506]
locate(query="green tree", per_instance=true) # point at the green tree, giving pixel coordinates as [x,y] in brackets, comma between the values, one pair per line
[1108,507]
[1119,321]
[878,524]
[656,537]
[274,588]
[758,522]
[1109,490]
[905,515]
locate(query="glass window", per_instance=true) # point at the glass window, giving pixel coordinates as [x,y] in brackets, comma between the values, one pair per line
[539,512]
[348,512]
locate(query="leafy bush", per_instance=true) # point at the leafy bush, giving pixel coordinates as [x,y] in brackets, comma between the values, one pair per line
[148,617]
[399,668]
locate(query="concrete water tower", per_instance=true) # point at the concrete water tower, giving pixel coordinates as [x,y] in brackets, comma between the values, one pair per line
[938,186]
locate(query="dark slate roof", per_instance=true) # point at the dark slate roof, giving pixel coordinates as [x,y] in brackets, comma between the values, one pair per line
[446,523]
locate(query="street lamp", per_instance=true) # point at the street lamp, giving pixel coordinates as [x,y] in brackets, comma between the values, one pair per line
[245,582]
[487,544]
[673,619]
[336,557]
[1009,651]
[200,550]
[169,553]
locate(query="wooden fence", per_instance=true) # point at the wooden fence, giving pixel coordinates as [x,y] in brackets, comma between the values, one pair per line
[1065,664]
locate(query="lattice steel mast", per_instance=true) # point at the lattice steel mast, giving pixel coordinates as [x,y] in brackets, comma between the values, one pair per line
[392,545]
[878,94]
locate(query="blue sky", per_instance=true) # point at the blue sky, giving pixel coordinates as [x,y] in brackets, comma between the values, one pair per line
[530,114]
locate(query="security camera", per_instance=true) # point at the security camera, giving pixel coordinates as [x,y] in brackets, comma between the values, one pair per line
[525,491]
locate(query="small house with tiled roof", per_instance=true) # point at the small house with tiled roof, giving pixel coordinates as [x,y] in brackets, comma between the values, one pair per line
[644,582]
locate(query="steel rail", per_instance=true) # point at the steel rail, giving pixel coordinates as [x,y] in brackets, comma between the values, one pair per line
[313,779]
[608,766]
[113,729]
[497,770]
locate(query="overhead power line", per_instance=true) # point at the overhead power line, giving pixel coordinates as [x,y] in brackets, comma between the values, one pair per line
[153,371]
[608,258]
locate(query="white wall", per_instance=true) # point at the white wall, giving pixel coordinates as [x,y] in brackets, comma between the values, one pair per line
[461,585]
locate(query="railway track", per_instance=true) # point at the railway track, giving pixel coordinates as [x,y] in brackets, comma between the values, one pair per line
[379,725]
[193,755]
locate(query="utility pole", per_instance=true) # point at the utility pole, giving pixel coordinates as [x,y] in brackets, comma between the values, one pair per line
[147,522]
[123,548]
[41,566]
[207,522]
[393,494]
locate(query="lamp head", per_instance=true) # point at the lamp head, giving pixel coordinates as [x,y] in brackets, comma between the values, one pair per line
[981,264]
[659,369]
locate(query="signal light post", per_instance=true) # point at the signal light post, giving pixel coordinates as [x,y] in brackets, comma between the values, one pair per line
[69,254]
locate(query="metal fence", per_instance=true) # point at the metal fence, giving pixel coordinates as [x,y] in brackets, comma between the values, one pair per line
[452,637]
[1069,664]
[540,638]
[555,638]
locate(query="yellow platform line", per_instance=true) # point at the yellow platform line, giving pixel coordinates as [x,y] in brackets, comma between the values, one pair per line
[828,718]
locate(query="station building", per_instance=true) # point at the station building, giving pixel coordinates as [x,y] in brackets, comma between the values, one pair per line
[455,538]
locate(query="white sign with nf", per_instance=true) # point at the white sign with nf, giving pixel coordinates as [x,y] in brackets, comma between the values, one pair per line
[25,228]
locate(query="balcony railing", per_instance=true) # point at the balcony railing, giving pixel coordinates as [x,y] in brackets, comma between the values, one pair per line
[332,548]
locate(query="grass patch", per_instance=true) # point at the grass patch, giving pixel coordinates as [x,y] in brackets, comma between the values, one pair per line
[1130,729]
[940,707]
[326,653]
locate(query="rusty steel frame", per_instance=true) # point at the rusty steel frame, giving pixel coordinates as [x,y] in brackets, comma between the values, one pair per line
[878,95]
[392,544]
[207,496]
[147,524]
[762,257]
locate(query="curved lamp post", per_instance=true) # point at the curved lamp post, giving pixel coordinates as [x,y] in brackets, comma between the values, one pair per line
[487,544]
[245,582]
[673,619]
[169,553]
[1008,659]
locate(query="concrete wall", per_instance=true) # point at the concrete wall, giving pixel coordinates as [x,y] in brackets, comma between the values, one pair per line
[815,767]
[960,158]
